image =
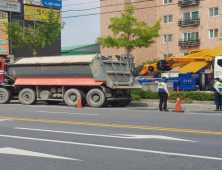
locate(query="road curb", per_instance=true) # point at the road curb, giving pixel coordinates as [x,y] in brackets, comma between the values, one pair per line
[189,107]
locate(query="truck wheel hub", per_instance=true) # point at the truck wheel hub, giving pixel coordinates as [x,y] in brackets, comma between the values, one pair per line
[95,98]
[73,98]
[2,95]
[26,96]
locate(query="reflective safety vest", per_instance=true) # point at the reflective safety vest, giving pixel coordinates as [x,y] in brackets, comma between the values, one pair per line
[219,85]
[161,88]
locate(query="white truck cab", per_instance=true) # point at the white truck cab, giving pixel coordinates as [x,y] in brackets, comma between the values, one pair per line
[217,65]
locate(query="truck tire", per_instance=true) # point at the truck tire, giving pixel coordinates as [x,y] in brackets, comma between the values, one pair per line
[83,98]
[96,98]
[127,102]
[52,102]
[27,96]
[5,96]
[118,103]
[71,97]
[122,103]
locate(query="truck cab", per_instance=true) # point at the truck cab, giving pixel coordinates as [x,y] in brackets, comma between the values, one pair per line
[2,69]
[217,66]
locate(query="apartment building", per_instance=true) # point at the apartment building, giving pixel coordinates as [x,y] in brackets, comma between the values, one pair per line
[185,25]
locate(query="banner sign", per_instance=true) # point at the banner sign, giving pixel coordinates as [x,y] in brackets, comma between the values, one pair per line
[10,6]
[4,44]
[33,13]
[45,3]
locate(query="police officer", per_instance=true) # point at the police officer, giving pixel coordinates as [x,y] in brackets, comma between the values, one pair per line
[218,93]
[163,94]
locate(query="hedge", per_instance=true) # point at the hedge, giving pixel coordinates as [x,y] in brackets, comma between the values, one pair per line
[184,95]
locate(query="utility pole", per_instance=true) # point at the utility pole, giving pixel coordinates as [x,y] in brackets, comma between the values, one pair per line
[10,20]
[167,48]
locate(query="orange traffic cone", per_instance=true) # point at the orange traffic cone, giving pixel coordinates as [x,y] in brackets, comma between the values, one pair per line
[79,104]
[178,107]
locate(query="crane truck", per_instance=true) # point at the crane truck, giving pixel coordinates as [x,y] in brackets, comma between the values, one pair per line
[97,80]
[192,75]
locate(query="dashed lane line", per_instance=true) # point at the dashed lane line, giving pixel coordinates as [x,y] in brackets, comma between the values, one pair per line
[69,113]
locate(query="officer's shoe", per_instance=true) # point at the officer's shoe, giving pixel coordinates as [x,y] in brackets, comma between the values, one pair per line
[166,110]
[217,110]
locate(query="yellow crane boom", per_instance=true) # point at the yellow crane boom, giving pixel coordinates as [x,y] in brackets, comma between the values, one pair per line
[192,63]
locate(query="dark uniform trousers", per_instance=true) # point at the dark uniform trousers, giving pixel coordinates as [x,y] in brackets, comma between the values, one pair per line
[218,100]
[163,101]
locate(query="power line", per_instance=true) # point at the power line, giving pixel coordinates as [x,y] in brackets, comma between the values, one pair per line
[83,3]
[82,29]
[78,10]
[76,16]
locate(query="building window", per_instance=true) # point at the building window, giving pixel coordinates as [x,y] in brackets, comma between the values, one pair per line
[165,55]
[190,15]
[214,12]
[168,38]
[168,19]
[214,33]
[167,1]
[185,54]
[190,36]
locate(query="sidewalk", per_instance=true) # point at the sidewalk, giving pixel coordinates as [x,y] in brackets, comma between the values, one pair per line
[200,106]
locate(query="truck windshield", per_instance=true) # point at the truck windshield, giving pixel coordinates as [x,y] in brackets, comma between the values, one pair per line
[219,62]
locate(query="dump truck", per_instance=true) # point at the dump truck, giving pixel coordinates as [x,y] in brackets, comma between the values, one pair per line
[99,81]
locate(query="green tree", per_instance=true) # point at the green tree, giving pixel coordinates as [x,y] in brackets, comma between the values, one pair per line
[37,37]
[129,32]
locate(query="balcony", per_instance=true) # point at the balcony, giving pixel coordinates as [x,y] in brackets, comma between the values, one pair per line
[188,43]
[185,3]
[186,23]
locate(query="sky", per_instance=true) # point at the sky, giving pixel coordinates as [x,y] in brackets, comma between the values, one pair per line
[80,30]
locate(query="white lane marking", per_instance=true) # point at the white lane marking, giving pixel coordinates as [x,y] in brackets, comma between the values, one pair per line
[131,136]
[2,120]
[118,136]
[114,147]
[44,106]
[14,151]
[204,114]
[68,113]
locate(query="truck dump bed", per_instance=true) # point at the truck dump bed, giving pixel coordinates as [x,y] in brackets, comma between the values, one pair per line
[116,74]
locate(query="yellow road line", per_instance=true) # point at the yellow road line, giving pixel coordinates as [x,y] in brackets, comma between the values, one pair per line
[116,125]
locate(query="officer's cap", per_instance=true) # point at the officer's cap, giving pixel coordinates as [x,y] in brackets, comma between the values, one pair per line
[217,78]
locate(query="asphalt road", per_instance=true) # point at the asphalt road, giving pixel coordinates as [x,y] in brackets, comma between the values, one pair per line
[64,138]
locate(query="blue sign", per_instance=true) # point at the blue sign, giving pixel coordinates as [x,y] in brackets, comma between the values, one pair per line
[52,4]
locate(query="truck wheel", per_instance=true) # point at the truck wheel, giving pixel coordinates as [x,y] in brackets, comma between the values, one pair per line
[5,96]
[27,96]
[96,98]
[118,103]
[126,102]
[71,97]
[51,102]
[83,98]
[122,103]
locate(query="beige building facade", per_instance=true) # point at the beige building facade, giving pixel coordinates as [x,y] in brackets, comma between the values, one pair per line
[185,25]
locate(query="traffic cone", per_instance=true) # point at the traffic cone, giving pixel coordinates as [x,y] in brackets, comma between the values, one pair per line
[79,104]
[178,107]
